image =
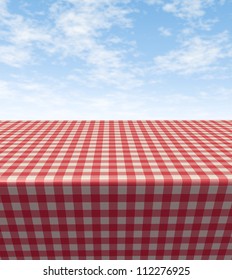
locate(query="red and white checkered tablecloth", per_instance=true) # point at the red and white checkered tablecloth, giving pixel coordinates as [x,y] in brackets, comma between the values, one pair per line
[116,190]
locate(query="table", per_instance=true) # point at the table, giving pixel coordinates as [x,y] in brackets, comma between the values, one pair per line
[136,189]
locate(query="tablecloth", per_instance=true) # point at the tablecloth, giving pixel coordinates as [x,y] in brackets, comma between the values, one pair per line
[136,189]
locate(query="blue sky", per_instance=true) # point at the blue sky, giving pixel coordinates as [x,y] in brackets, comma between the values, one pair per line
[115,59]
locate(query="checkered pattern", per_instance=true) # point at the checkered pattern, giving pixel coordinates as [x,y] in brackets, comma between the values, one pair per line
[116,190]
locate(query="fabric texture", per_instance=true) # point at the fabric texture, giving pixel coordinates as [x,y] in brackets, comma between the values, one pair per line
[116,189]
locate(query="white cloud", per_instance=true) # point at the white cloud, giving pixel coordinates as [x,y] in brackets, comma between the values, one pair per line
[185,9]
[166,32]
[195,55]
[85,20]
[81,32]
[78,29]
[14,56]
[195,13]
[20,37]
[3,4]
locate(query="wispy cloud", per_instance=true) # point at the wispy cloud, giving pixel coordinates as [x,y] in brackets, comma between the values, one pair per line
[14,56]
[166,32]
[186,9]
[3,4]
[21,36]
[196,14]
[78,30]
[81,32]
[195,55]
